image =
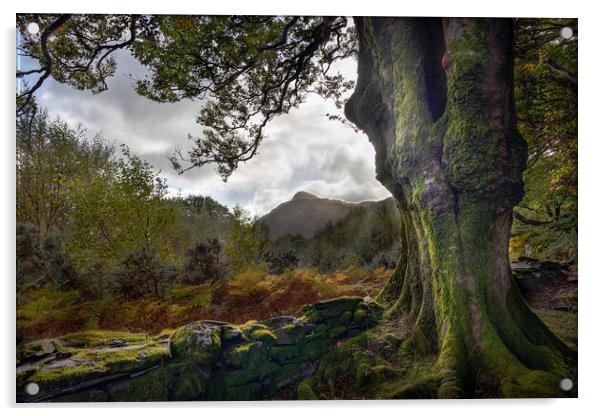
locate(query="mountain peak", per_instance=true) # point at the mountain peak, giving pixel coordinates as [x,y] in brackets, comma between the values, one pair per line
[304,195]
[306,213]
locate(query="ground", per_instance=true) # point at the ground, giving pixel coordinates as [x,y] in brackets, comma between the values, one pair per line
[334,350]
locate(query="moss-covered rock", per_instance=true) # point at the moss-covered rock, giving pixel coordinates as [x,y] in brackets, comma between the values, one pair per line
[291,373]
[305,391]
[240,354]
[263,335]
[332,308]
[37,349]
[89,364]
[287,353]
[95,338]
[199,342]
[251,391]
[185,381]
[366,315]
[231,333]
[205,360]
[84,361]
[93,395]
[291,333]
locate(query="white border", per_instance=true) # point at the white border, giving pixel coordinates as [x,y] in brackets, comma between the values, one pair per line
[590,155]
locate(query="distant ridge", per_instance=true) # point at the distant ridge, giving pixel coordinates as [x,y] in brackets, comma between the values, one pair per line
[306,213]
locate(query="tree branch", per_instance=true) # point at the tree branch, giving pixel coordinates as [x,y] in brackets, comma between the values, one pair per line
[528,221]
[46,68]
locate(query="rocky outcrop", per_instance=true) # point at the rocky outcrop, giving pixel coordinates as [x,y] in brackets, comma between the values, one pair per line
[205,360]
[532,274]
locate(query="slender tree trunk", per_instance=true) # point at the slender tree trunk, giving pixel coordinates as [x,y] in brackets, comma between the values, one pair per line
[435,97]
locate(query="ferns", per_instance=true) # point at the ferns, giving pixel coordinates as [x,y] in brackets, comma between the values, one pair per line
[250,295]
[198,296]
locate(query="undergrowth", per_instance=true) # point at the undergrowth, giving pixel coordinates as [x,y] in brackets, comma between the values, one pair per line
[250,295]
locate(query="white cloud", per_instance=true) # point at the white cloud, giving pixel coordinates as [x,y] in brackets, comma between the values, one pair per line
[303,150]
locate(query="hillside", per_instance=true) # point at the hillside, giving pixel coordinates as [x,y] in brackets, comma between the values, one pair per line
[306,213]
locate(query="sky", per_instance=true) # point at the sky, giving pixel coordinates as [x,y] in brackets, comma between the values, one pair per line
[302,151]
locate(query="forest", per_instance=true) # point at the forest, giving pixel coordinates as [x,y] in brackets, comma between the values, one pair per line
[101,246]
[105,253]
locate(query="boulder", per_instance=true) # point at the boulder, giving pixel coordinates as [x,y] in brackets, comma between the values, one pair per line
[204,360]
[232,333]
[199,342]
[332,308]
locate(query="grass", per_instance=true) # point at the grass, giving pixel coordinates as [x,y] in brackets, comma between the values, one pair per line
[562,323]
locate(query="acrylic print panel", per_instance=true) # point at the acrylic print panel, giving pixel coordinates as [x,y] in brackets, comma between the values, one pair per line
[143,275]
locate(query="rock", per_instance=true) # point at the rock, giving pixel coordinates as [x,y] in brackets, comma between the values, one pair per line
[366,314]
[66,363]
[263,335]
[287,354]
[290,334]
[532,274]
[331,308]
[279,321]
[288,374]
[231,333]
[117,343]
[200,342]
[239,354]
[251,391]
[205,360]
[215,323]
[37,350]
[185,379]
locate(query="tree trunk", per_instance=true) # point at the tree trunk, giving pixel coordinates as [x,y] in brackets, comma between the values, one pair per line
[435,97]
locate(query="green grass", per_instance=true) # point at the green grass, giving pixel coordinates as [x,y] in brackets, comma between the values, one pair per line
[562,323]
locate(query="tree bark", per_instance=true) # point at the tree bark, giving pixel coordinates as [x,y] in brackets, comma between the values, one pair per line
[435,97]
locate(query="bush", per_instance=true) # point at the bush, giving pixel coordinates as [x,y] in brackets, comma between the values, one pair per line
[41,260]
[203,263]
[279,261]
[142,274]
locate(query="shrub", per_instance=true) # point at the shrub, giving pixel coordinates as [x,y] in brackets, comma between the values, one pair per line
[142,274]
[41,260]
[204,263]
[279,261]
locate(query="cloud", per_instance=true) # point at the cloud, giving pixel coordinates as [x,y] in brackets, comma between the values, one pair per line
[303,149]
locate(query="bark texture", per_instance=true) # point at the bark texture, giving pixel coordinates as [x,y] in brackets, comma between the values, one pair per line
[435,97]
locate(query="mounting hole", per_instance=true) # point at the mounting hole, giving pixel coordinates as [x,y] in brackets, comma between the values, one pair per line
[32,389]
[33,28]
[566,32]
[566,384]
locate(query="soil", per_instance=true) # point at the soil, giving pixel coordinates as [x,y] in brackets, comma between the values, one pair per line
[558,293]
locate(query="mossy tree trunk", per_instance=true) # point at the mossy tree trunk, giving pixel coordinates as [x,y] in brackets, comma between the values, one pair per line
[435,97]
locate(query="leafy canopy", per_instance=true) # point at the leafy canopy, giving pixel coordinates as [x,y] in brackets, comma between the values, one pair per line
[546,103]
[242,70]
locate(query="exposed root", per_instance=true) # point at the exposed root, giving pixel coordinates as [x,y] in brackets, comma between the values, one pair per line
[392,362]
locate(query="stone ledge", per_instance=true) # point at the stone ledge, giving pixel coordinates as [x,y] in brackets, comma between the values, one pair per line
[205,360]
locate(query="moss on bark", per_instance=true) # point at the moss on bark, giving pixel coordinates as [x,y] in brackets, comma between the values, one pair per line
[435,97]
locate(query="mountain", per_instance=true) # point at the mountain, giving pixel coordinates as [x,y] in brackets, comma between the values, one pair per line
[306,213]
